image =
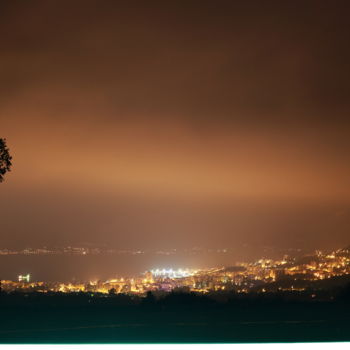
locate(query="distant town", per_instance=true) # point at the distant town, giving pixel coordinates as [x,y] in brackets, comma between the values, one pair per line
[264,275]
[93,250]
[82,250]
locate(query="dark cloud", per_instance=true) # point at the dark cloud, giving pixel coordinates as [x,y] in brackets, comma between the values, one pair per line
[235,60]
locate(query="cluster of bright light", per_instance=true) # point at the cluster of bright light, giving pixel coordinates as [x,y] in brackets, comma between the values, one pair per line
[173,273]
[22,278]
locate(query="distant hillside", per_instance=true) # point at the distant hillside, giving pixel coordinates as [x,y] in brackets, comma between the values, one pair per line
[344,252]
[287,282]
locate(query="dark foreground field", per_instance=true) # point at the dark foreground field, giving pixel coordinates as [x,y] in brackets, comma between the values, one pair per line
[176,318]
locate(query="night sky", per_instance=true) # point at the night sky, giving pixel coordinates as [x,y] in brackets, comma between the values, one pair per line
[175,123]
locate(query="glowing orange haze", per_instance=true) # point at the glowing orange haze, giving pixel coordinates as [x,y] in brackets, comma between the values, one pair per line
[176,123]
[158,157]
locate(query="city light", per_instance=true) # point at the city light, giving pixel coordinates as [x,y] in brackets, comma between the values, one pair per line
[263,275]
[24,278]
[170,273]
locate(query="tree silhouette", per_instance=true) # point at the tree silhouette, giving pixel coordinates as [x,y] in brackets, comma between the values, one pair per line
[112,291]
[5,159]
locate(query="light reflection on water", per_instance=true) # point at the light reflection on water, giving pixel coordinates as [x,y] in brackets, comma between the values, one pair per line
[92,267]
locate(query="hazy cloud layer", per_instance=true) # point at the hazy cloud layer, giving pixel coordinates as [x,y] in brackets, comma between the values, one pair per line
[174,123]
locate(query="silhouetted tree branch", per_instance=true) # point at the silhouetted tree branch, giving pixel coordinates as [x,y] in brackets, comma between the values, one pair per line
[5,159]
